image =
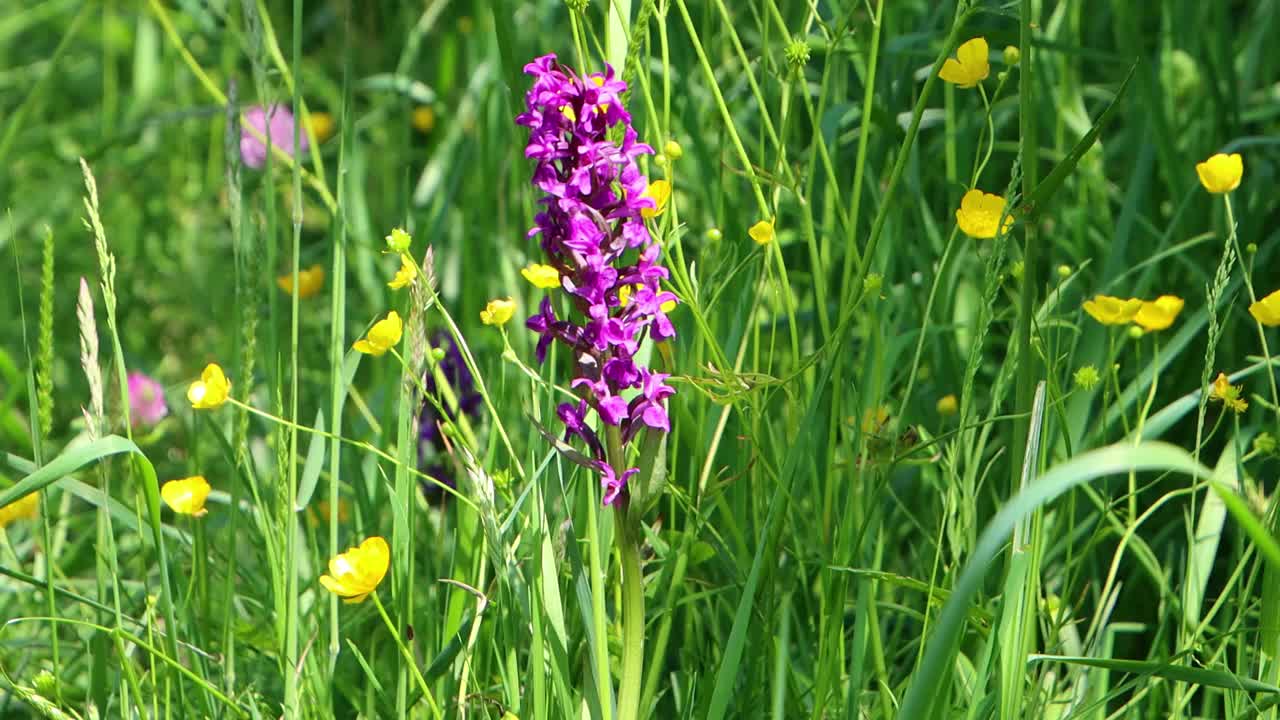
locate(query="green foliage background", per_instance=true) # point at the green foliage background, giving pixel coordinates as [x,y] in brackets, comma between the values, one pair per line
[802,562]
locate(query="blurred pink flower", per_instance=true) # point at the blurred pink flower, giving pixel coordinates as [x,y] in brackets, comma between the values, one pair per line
[146,400]
[254,151]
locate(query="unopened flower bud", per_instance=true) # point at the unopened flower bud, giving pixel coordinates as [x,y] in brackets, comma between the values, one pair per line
[672,150]
[1012,55]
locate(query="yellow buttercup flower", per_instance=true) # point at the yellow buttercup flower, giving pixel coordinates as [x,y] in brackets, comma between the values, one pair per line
[211,390]
[624,297]
[309,281]
[1229,394]
[948,405]
[541,276]
[424,119]
[659,191]
[498,311]
[762,232]
[1221,173]
[24,508]
[875,419]
[1110,310]
[398,241]
[355,574]
[979,214]
[405,275]
[384,335]
[1267,310]
[322,125]
[186,496]
[1160,313]
[971,65]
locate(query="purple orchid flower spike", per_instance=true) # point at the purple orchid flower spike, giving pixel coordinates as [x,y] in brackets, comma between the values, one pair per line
[592,231]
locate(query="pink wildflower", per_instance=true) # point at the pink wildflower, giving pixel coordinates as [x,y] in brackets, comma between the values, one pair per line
[146,400]
[253,150]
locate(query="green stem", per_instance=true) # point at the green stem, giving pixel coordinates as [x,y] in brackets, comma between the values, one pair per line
[408,656]
[633,620]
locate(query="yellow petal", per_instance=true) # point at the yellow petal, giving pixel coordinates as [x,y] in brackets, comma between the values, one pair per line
[979,214]
[971,66]
[1267,310]
[1221,173]
[1110,310]
[762,232]
[21,509]
[1160,313]
[545,277]
[405,275]
[659,191]
[186,496]
[498,311]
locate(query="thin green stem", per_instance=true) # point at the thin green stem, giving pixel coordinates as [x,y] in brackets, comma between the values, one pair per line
[408,656]
[633,619]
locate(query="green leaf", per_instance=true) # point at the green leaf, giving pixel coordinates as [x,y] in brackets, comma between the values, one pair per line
[1180,673]
[930,682]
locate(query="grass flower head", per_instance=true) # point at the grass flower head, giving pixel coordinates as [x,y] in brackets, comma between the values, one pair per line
[355,574]
[186,496]
[970,66]
[211,390]
[1221,173]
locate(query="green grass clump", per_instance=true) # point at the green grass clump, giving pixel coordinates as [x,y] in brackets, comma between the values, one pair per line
[917,469]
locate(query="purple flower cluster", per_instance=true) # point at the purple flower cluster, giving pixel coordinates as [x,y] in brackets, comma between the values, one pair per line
[432,451]
[592,232]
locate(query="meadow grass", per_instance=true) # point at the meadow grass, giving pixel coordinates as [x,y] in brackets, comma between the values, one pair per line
[908,475]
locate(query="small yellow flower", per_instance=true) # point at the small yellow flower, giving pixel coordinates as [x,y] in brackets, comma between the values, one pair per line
[541,276]
[318,514]
[309,281]
[624,297]
[1229,394]
[762,232]
[186,496]
[355,574]
[659,191]
[1160,313]
[1267,310]
[948,405]
[498,311]
[384,335]
[971,65]
[979,214]
[875,419]
[211,390]
[322,125]
[405,275]
[1221,173]
[424,119]
[24,508]
[1110,310]
[1086,377]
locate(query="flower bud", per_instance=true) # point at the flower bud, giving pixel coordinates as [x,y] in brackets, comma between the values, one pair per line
[1012,55]
[672,150]
[398,241]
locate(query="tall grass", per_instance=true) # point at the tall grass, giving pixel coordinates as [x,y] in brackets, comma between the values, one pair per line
[1084,531]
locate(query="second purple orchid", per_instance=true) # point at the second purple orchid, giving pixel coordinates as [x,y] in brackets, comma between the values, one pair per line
[592,231]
